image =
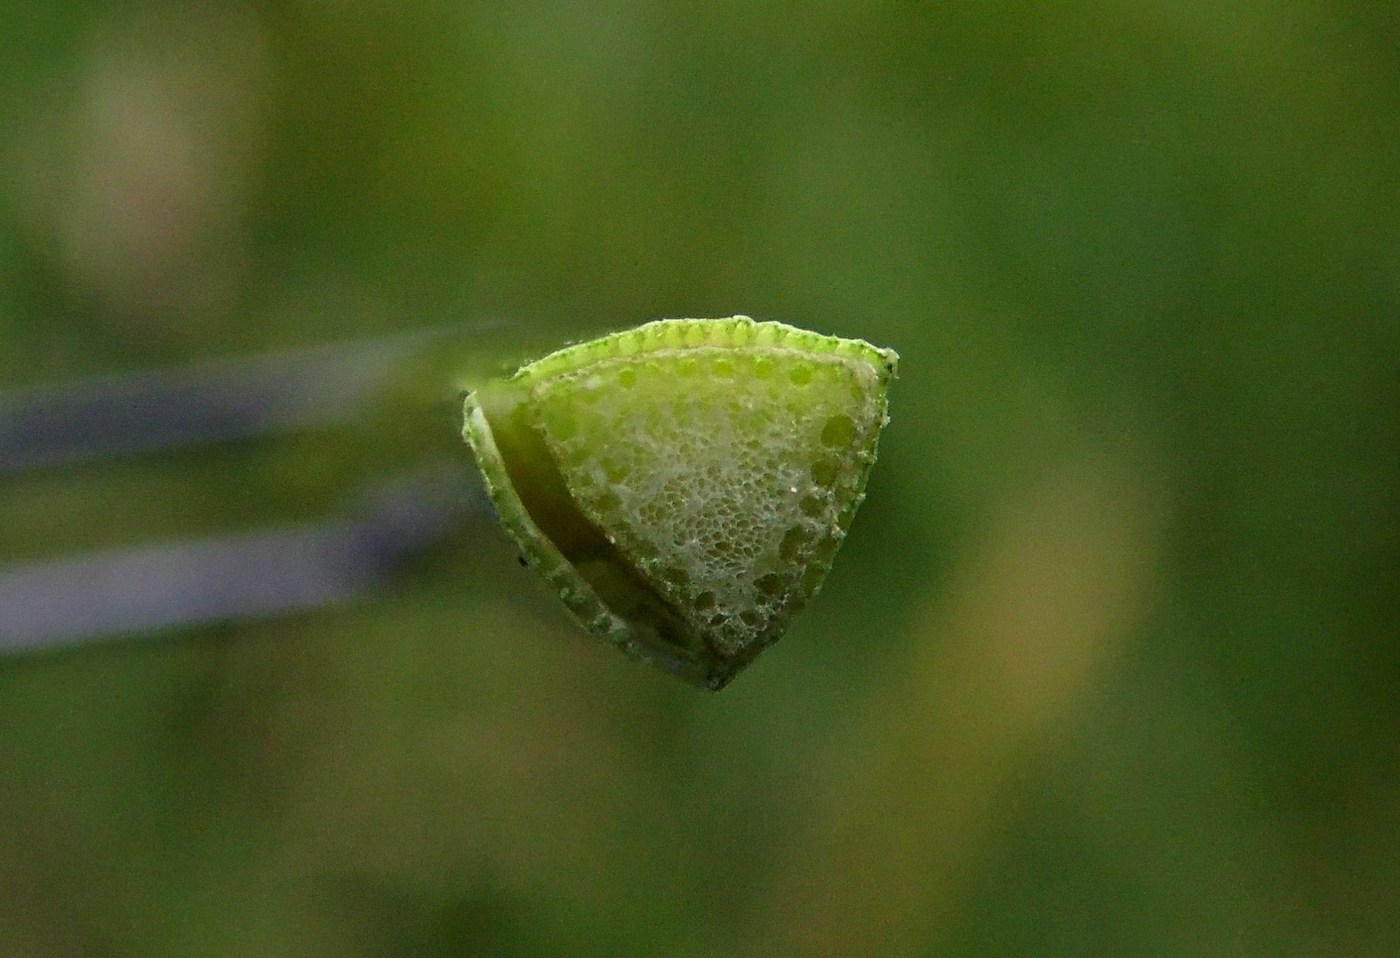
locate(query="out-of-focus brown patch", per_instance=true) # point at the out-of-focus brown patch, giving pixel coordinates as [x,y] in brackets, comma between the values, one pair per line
[1003,661]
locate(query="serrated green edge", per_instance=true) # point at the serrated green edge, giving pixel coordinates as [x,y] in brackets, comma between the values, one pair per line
[733,332]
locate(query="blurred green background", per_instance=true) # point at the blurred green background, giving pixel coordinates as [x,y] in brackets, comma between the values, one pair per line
[1109,663]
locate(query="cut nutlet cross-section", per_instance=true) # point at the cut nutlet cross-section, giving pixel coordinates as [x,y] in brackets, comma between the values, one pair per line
[685,485]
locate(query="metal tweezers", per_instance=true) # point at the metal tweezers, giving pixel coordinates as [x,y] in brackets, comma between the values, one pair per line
[145,588]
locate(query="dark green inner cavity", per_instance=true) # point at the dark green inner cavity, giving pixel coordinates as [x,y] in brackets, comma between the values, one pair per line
[534,474]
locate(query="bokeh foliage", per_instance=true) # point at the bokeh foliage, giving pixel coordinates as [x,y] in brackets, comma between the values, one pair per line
[1109,664]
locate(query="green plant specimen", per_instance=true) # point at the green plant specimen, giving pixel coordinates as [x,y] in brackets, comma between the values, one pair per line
[685,485]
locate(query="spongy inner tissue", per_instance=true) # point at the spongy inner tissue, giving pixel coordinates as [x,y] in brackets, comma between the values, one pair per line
[727,475]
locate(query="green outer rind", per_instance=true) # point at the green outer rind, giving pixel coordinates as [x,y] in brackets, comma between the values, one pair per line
[669,334]
[734,332]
